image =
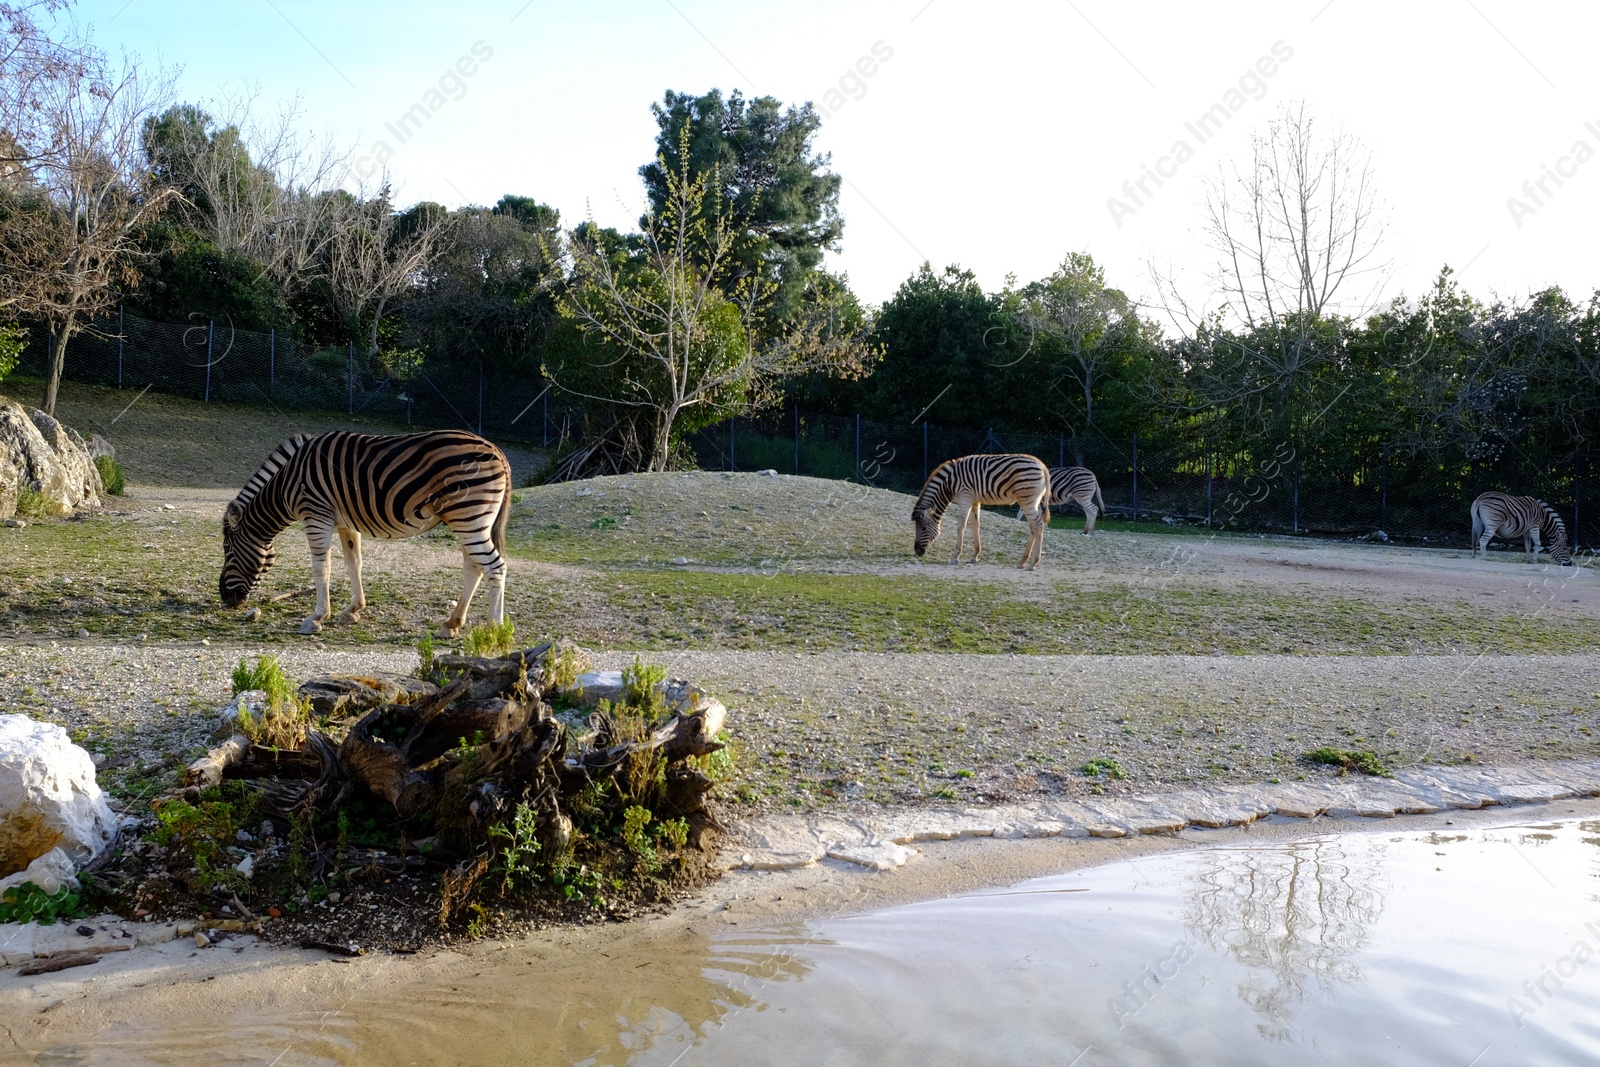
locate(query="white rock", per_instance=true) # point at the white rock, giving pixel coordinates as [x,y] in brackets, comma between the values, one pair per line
[768,473]
[583,492]
[49,799]
[599,685]
[49,872]
[38,453]
[246,866]
[680,561]
[877,856]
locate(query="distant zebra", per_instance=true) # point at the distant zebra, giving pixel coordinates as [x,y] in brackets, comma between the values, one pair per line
[346,484]
[972,481]
[1077,485]
[1507,517]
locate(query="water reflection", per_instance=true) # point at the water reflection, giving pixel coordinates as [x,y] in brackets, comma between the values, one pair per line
[1290,915]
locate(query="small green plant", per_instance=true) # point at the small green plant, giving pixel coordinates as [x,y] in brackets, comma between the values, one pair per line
[719,765]
[32,504]
[467,753]
[110,475]
[944,792]
[199,835]
[425,649]
[518,844]
[12,342]
[634,821]
[490,640]
[1363,762]
[283,725]
[1106,766]
[27,903]
[561,667]
[675,832]
[641,685]
[604,522]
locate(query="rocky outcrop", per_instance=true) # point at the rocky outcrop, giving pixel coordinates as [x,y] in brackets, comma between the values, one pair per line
[38,453]
[53,816]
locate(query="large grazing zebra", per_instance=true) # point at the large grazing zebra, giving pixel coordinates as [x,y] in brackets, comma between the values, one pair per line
[1077,485]
[972,481]
[1507,517]
[346,484]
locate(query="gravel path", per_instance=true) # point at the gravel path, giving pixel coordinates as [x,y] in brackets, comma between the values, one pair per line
[847,730]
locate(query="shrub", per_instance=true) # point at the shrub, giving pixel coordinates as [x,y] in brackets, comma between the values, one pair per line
[1364,762]
[287,716]
[27,903]
[32,504]
[110,474]
[490,640]
[11,345]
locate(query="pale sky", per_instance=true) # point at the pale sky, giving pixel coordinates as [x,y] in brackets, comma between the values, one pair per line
[992,135]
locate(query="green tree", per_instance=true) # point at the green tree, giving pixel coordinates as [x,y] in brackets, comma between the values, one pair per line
[766,174]
[945,353]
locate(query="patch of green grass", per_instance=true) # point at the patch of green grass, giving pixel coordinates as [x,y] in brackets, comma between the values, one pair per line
[32,504]
[1106,766]
[1364,762]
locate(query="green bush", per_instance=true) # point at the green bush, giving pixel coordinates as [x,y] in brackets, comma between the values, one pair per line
[32,504]
[1364,762]
[287,716]
[490,640]
[11,345]
[28,903]
[110,474]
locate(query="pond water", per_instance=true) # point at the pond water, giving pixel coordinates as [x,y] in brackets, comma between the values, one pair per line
[1473,948]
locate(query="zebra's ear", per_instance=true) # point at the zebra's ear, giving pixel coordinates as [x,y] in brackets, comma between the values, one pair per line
[230,518]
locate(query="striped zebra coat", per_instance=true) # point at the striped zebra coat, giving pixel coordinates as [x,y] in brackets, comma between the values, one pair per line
[1077,485]
[342,485]
[1508,517]
[972,481]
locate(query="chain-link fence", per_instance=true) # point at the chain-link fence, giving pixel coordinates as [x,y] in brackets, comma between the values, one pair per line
[1358,493]
[210,361]
[1378,494]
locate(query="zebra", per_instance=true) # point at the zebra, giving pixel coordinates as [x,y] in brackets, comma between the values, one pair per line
[347,484]
[972,481]
[1507,517]
[1077,485]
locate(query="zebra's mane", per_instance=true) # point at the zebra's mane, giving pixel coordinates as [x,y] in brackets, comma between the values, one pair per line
[935,495]
[268,470]
[1552,517]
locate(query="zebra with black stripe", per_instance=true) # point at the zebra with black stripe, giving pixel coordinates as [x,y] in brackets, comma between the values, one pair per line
[972,481]
[1509,517]
[342,485]
[1077,485]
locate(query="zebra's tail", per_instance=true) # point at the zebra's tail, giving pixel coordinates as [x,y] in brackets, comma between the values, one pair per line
[497,533]
[1099,499]
[1477,527]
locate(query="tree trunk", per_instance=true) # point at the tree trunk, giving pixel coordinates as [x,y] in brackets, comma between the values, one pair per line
[58,362]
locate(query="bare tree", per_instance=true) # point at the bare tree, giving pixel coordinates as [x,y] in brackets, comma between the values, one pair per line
[252,186]
[29,59]
[1296,233]
[374,255]
[83,191]
[676,326]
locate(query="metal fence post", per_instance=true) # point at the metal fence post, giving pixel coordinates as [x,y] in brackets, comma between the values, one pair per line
[211,330]
[733,459]
[1135,515]
[1062,460]
[1577,515]
[861,478]
[1383,498]
[797,438]
[545,412]
[350,376]
[924,449]
[121,337]
[1297,492]
[1211,469]
[272,359]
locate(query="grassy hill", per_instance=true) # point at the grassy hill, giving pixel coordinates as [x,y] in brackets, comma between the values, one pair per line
[171,441]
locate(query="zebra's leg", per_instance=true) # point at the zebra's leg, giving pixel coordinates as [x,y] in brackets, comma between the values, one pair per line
[1530,543]
[319,539]
[1089,514]
[471,574]
[977,541]
[350,541]
[961,531]
[1033,551]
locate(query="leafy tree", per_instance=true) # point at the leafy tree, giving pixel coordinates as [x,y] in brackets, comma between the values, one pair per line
[766,174]
[668,332]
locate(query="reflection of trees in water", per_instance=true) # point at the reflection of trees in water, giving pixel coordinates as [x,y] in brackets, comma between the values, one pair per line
[1292,915]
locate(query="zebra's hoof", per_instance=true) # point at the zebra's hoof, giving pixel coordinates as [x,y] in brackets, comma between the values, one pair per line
[310,626]
[448,632]
[350,616]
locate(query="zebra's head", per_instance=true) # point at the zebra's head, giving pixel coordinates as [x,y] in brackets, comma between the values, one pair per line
[1555,531]
[245,557]
[927,522]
